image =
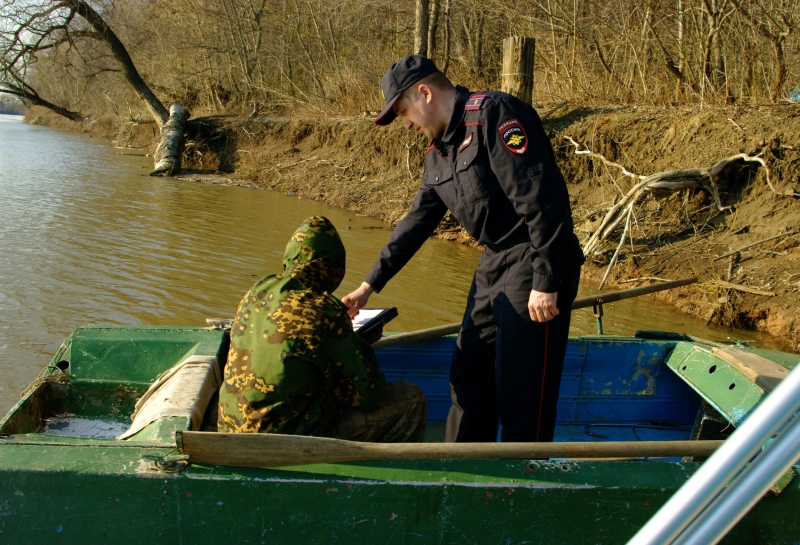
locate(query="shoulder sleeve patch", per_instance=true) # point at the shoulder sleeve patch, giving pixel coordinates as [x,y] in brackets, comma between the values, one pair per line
[474,102]
[512,133]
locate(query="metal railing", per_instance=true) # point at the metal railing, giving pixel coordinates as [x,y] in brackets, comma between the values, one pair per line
[703,510]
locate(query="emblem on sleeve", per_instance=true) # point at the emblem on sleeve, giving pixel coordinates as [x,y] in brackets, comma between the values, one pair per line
[467,141]
[513,136]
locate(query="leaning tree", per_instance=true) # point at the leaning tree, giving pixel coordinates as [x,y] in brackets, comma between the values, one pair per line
[32,30]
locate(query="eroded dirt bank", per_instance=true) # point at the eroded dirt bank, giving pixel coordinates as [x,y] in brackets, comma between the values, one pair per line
[351,163]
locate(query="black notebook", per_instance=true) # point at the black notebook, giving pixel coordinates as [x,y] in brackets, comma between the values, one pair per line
[369,319]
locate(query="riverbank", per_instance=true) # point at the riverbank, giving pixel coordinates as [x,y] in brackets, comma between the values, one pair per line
[350,163]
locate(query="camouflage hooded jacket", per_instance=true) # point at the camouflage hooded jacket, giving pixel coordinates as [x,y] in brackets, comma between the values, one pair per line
[295,363]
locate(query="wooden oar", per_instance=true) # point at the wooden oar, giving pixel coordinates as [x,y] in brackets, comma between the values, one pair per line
[275,450]
[583,302]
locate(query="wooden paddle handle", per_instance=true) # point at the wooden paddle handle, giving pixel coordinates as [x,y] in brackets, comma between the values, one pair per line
[275,450]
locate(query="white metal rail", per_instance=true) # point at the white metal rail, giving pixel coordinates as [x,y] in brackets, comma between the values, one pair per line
[698,513]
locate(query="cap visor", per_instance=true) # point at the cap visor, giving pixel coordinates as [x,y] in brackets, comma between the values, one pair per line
[387,115]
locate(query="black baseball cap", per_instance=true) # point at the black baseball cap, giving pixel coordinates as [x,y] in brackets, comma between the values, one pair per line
[399,77]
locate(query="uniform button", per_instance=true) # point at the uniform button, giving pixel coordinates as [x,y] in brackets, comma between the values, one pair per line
[465,163]
[437,178]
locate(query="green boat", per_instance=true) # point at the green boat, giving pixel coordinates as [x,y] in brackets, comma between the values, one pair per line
[65,476]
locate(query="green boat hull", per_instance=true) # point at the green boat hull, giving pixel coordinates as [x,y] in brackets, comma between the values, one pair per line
[75,489]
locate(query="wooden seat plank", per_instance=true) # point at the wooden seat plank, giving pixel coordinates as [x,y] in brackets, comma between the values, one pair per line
[767,374]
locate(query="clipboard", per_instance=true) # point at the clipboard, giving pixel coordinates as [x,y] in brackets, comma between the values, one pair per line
[369,319]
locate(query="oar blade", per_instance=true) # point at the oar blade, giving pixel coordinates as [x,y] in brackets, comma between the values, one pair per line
[267,449]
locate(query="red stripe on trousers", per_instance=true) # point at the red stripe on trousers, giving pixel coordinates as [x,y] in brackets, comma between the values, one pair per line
[544,374]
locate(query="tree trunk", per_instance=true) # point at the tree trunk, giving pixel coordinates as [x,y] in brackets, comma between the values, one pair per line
[780,69]
[169,150]
[777,39]
[518,56]
[473,30]
[152,103]
[433,27]
[421,29]
[446,14]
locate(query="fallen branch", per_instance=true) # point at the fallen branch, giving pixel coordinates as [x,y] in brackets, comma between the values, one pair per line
[276,167]
[745,289]
[619,247]
[605,161]
[656,278]
[672,180]
[756,243]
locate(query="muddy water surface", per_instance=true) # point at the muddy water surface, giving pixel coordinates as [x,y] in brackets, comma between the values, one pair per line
[86,237]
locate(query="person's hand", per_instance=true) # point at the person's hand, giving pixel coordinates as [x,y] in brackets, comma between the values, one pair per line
[542,306]
[357,300]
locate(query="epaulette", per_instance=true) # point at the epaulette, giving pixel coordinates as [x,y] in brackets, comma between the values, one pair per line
[475,101]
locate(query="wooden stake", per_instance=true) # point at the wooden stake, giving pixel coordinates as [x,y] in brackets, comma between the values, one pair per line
[518,58]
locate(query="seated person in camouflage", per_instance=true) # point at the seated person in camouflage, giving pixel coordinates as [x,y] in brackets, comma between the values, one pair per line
[295,366]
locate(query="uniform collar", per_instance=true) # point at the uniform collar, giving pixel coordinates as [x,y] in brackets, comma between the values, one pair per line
[462,94]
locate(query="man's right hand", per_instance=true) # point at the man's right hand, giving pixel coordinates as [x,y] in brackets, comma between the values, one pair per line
[357,300]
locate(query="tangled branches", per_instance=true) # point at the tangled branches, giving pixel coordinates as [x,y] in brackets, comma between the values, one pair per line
[671,180]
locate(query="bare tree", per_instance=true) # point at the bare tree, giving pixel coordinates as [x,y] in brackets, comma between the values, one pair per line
[36,27]
[446,54]
[433,26]
[775,25]
[421,28]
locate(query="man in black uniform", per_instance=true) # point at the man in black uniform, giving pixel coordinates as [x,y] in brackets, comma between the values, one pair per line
[490,163]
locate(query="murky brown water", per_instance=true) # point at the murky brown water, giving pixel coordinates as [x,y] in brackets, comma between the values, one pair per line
[86,236]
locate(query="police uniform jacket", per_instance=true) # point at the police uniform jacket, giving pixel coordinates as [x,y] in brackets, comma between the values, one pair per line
[495,170]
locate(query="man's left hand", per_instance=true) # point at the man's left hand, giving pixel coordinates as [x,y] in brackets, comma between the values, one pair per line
[542,306]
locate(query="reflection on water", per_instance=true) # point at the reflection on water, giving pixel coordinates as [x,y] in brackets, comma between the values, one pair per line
[86,236]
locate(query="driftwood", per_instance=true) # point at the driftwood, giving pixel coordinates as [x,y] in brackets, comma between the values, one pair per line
[168,153]
[745,289]
[672,180]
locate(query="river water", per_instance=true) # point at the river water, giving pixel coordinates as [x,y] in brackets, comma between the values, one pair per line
[86,236]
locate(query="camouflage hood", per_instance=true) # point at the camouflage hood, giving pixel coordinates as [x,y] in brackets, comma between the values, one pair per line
[294,362]
[315,256]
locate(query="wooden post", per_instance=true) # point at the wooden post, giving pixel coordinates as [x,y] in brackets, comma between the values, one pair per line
[518,53]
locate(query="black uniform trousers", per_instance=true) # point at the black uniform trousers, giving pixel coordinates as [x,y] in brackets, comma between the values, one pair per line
[506,366]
